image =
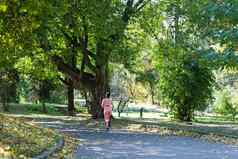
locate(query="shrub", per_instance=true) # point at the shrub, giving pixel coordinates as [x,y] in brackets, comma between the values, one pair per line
[186,85]
[81,109]
[224,106]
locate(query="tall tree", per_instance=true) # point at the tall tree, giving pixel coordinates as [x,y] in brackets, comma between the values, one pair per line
[182,67]
[104,32]
[90,29]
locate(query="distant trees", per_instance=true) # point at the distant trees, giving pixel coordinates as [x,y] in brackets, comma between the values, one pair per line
[150,78]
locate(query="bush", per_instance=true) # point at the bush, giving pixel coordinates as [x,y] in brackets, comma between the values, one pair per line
[224,106]
[81,109]
[186,85]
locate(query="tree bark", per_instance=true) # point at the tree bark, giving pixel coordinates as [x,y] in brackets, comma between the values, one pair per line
[71,60]
[71,108]
[44,109]
[102,85]
[5,103]
[152,93]
[44,93]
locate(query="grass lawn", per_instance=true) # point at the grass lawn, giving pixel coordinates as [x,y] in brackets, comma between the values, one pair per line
[29,108]
[215,120]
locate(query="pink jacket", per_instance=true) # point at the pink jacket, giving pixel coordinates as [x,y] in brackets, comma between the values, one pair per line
[107,104]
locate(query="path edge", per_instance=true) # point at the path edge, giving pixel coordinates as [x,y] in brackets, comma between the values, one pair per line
[45,154]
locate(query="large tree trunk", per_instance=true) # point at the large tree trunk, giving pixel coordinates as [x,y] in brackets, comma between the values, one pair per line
[152,93]
[44,93]
[72,62]
[102,85]
[44,109]
[71,108]
[96,85]
[103,49]
[100,91]
[5,102]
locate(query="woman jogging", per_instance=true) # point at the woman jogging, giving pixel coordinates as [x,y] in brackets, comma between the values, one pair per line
[107,109]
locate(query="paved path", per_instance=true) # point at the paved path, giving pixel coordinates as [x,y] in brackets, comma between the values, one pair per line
[121,145]
[118,144]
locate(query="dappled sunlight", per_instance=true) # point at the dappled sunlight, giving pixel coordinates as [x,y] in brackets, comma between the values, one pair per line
[134,126]
[135,139]
[49,122]
[126,145]
[4,152]
[20,138]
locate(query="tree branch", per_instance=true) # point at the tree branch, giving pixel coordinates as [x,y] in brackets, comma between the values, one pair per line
[68,37]
[80,79]
[132,8]
[86,61]
[65,68]
[128,11]
[139,2]
[63,80]
[140,5]
[89,64]
[91,54]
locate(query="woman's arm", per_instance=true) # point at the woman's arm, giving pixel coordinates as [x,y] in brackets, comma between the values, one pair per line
[102,104]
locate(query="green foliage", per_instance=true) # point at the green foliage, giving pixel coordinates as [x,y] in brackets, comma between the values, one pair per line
[149,78]
[216,27]
[186,85]
[187,40]
[81,109]
[187,47]
[58,95]
[224,106]
[37,108]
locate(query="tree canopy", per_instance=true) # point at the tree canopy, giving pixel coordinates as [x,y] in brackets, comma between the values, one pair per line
[77,42]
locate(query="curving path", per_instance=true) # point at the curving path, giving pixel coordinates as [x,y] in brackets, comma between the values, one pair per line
[122,145]
[117,144]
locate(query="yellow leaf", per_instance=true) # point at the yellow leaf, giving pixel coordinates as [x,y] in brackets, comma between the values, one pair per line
[3,7]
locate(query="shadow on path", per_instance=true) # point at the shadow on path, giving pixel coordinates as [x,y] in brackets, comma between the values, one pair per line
[119,144]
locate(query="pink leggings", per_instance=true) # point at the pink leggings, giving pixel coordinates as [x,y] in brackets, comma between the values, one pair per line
[107,116]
